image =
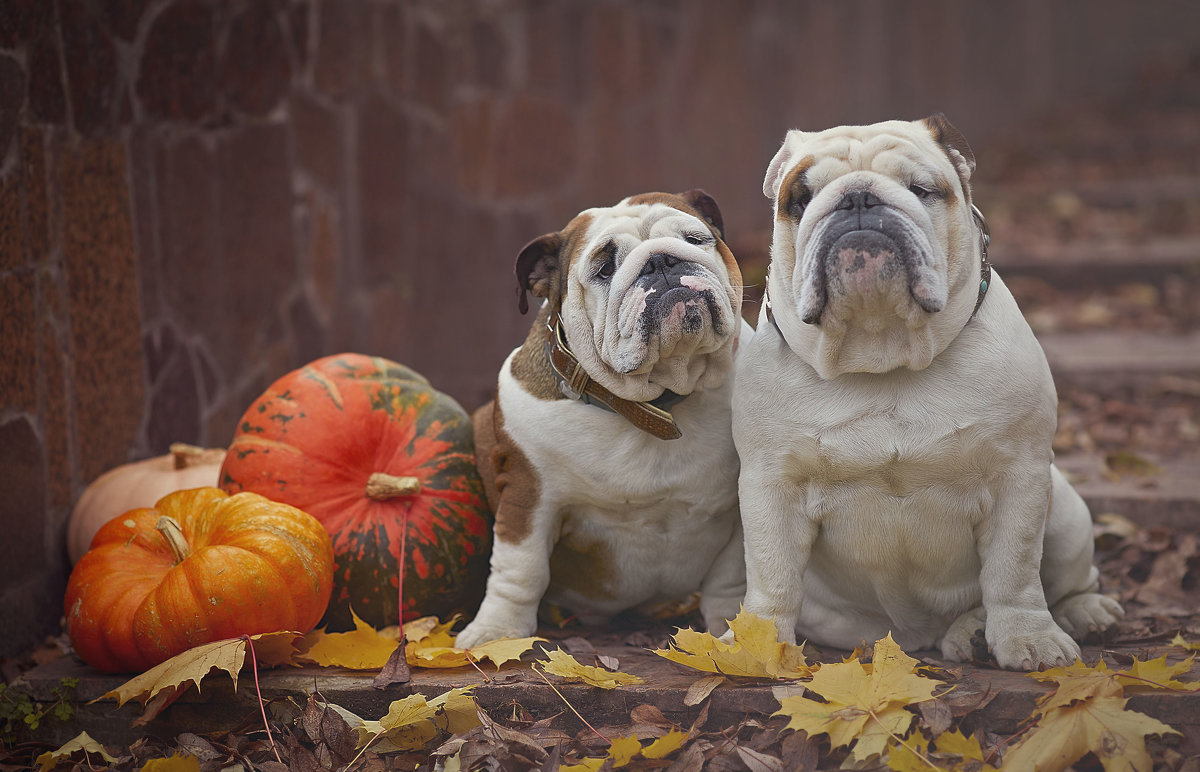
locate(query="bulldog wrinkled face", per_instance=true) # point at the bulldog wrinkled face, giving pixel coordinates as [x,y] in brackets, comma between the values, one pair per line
[653,294]
[872,242]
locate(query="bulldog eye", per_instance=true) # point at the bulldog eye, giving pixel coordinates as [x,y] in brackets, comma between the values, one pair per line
[698,239]
[606,257]
[607,268]
[924,193]
[798,204]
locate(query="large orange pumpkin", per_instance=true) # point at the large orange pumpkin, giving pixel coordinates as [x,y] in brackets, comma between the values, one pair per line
[387,464]
[200,566]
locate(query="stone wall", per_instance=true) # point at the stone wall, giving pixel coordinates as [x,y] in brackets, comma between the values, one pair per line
[196,196]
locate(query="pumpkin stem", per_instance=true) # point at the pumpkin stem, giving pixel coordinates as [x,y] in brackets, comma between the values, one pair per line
[173,533]
[381,487]
[184,454]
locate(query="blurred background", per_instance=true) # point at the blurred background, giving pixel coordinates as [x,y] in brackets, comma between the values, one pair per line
[197,197]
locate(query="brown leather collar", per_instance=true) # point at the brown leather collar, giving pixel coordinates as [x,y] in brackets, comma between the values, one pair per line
[985,272]
[648,417]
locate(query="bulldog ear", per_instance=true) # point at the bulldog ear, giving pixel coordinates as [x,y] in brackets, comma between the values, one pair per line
[954,143]
[706,205]
[775,170]
[537,266]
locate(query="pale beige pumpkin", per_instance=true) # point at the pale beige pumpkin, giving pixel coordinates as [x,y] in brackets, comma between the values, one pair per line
[137,485]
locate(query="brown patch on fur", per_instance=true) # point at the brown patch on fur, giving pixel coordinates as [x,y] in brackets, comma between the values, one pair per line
[530,366]
[792,190]
[586,569]
[510,482]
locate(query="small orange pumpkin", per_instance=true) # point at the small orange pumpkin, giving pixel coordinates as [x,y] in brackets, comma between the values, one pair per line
[139,484]
[200,566]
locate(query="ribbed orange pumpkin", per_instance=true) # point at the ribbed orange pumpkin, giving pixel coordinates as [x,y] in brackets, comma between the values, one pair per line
[201,566]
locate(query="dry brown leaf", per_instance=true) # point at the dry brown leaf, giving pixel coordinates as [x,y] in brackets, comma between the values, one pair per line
[702,687]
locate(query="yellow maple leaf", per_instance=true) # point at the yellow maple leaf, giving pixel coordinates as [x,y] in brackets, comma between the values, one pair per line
[625,749]
[1100,725]
[1077,682]
[362,648]
[560,663]
[665,745]
[756,651]
[1157,674]
[180,762]
[955,743]
[498,652]
[864,705]
[1179,641]
[412,722]
[191,666]
[83,743]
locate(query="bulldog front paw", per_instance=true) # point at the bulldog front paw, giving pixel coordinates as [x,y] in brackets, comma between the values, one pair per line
[1087,612]
[481,631]
[964,638]
[1031,644]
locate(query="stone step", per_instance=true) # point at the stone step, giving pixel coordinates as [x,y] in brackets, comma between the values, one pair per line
[219,707]
[1085,358]
[1085,265]
[1141,193]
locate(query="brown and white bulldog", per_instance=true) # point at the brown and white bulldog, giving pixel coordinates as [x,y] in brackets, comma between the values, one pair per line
[608,454]
[894,415]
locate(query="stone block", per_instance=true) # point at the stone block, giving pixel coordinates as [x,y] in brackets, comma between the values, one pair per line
[535,146]
[124,16]
[12,99]
[176,78]
[24,552]
[33,168]
[21,20]
[554,59]
[255,71]
[518,148]
[383,170]
[47,98]
[18,340]
[105,320]
[391,28]
[318,138]
[343,60]
[256,256]
[432,71]
[12,231]
[91,61]
[56,427]
[174,414]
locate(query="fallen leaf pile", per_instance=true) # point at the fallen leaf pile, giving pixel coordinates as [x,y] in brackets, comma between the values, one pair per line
[1155,573]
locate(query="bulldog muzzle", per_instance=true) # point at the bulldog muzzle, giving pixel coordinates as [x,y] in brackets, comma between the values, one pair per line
[862,250]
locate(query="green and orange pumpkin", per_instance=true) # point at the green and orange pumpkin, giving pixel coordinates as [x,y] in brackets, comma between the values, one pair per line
[387,464]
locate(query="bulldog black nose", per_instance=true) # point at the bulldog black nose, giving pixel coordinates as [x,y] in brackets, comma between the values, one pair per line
[859,200]
[659,261]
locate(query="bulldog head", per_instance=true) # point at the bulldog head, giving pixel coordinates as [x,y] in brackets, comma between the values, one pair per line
[648,293]
[875,257]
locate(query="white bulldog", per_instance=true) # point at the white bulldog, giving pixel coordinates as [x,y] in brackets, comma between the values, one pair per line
[604,500]
[894,412]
